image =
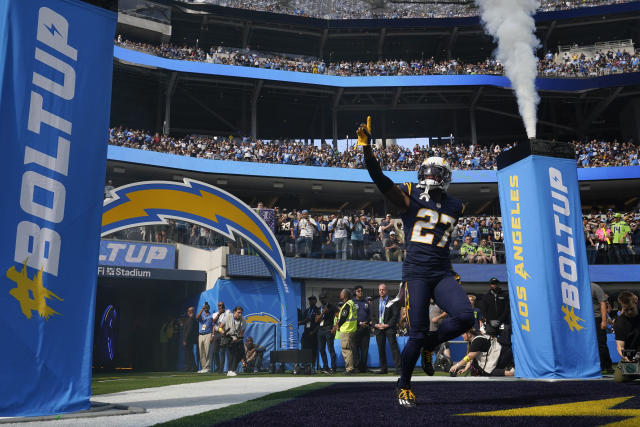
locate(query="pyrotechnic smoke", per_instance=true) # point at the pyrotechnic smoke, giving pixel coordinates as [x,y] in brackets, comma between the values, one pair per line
[511,24]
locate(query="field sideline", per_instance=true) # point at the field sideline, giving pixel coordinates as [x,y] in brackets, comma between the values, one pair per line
[170,397]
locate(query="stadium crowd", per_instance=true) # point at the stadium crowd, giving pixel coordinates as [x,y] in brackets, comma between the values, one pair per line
[361,9]
[569,65]
[593,153]
[611,237]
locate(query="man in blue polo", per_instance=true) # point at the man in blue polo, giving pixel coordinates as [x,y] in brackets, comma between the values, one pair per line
[205,337]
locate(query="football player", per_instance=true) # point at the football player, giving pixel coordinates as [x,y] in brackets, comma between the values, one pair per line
[429,216]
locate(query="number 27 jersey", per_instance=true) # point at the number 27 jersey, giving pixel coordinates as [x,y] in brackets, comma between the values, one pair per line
[427,227]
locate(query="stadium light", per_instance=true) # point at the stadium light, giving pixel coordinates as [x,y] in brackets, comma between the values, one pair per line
[119,170]
[222,182]
[316,187]
[278,185]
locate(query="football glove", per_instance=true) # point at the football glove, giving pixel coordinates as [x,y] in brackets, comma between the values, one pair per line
[364,133]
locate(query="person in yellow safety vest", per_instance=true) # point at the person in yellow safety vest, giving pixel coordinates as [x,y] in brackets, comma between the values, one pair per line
[347,325]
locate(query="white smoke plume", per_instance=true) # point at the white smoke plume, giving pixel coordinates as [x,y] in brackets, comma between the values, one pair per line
[512,26]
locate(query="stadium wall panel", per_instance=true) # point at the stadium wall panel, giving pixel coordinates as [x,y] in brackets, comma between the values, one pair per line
[328,269]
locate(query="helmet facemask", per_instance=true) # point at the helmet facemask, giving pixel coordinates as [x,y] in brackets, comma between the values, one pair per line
[432,176]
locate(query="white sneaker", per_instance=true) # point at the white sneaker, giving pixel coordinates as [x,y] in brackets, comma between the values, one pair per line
[231,374]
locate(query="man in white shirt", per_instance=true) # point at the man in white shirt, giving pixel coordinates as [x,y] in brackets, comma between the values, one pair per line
[306,228]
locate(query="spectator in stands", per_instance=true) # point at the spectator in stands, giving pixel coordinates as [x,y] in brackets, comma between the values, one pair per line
[340,229]
[473,231]
[497,232]
[603,234]
[454,251]
[371,238]
[306,228]
[235,330]
[386,227]
[324,320]
[600,64]
[485,253]
[484,231]
[357,237]
[394,250]
[591,241]
[469,251]
[602,153]
[252,361]
[620,230]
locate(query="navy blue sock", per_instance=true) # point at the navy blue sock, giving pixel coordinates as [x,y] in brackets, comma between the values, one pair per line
[410,355]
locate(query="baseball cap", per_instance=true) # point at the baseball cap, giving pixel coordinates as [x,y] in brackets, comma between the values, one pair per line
[392,232]
[323,296]
[305,211]
[494,281]
[312,297]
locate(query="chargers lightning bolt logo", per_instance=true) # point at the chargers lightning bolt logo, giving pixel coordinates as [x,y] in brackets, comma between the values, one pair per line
[152,202]
[53,30]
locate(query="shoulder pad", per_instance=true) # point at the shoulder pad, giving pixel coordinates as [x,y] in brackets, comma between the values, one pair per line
[407,187]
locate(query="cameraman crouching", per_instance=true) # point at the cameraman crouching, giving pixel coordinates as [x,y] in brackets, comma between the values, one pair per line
[627,324]
[486,357]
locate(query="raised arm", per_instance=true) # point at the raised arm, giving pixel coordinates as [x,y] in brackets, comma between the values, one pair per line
[391,191]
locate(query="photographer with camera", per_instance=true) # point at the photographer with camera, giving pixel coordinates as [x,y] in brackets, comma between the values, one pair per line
[486,357]
[627,325]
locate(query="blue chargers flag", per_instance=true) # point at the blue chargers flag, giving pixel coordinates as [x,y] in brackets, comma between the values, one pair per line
[550,294]
[56,60]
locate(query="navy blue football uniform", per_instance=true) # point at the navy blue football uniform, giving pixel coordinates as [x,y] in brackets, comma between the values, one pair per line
[427,228]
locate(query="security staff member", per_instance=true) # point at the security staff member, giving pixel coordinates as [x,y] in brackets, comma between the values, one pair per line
[347,324]
[363,333]
[495,307]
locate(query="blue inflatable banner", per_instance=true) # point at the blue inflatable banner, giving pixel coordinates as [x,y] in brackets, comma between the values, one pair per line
[130,254]
[55,73]
[550,294]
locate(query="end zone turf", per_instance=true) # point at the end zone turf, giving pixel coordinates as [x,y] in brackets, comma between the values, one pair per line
[524,403]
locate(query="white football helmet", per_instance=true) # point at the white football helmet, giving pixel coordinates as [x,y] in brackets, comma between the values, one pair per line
[434,172]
